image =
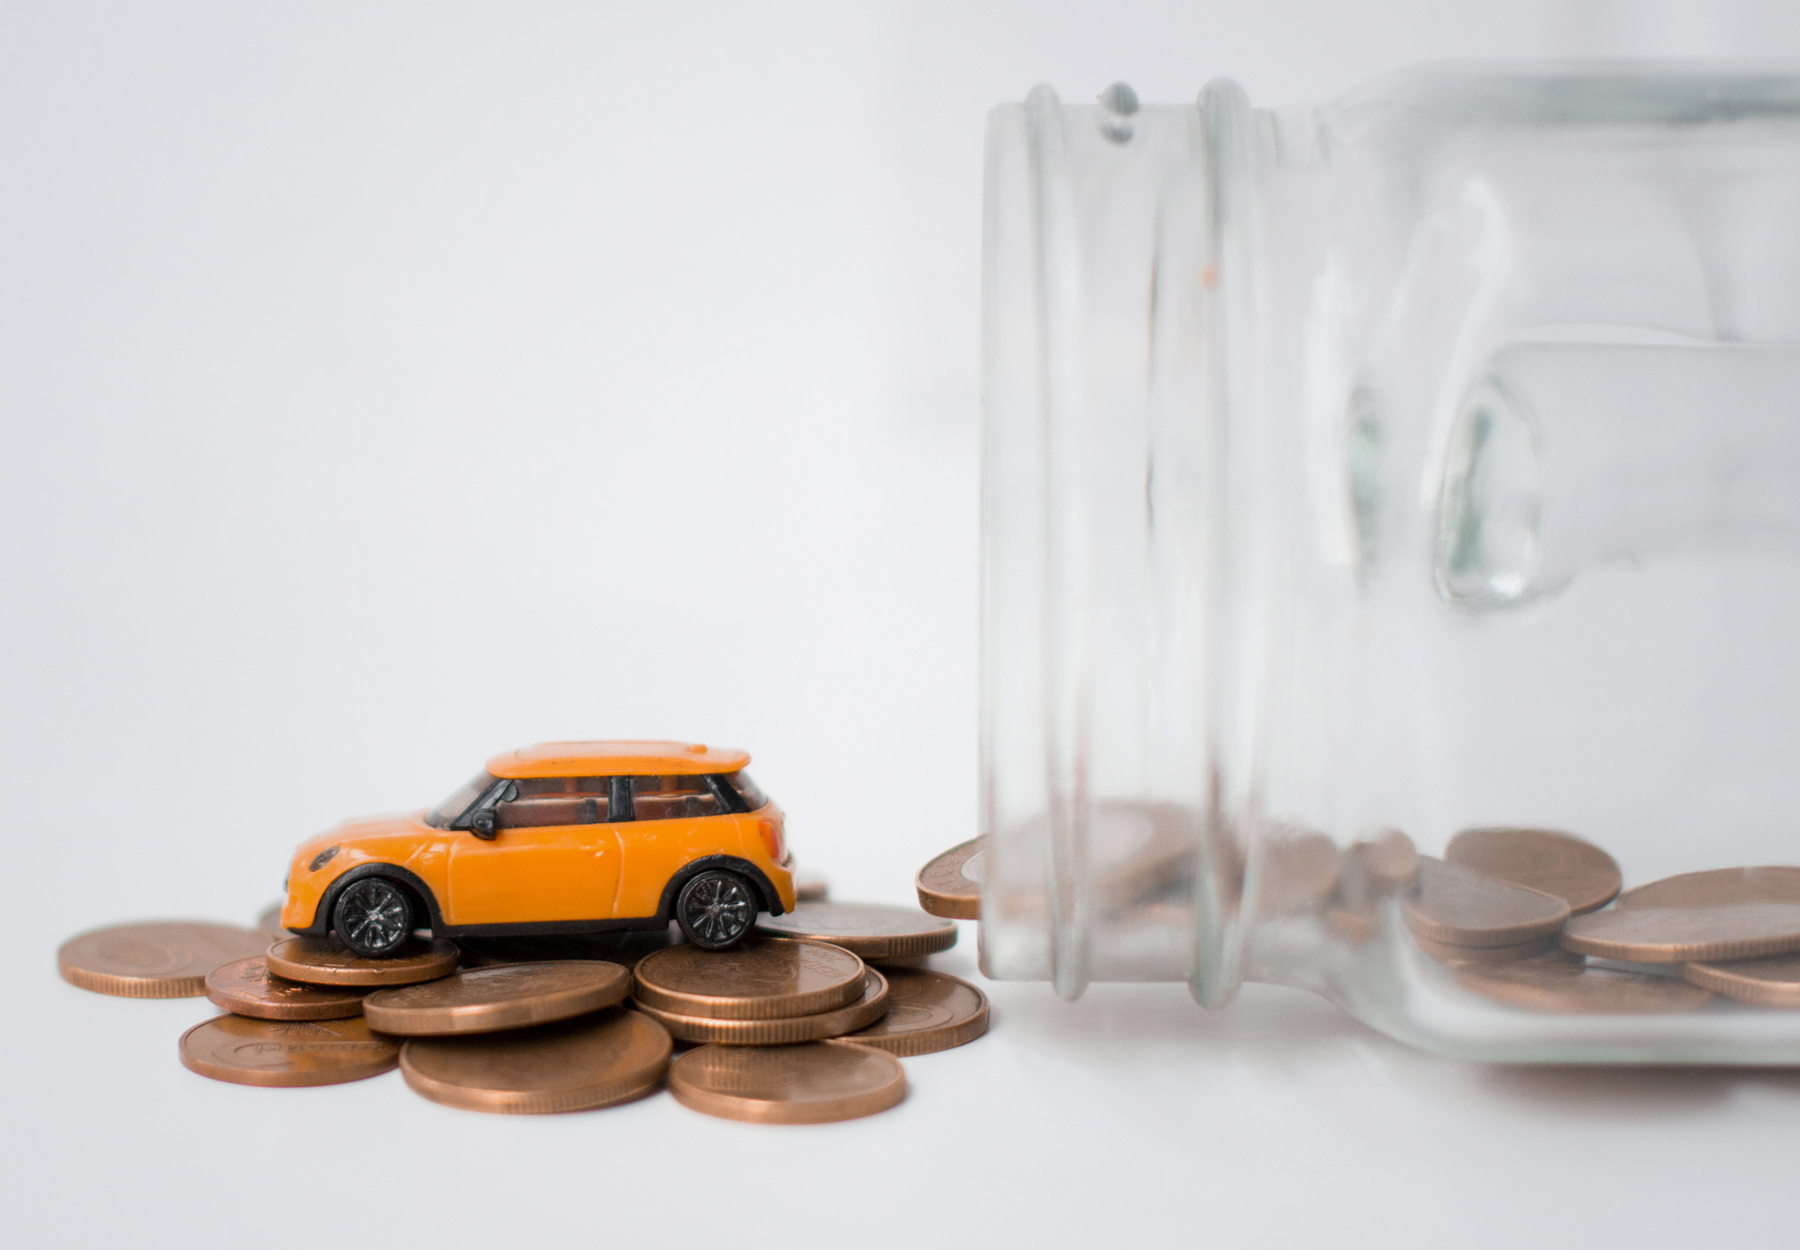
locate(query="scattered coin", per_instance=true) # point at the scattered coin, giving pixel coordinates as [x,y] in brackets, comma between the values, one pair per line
[1537,948]
[870,930]
[1464,908]
[597,1060]
[1670,935]
[820,1025]
[812,1083]
[764,979]
[270,923]
[1299,872]
[811,890]
[927,1011]
[246,987]
[950,885]
[327,961]
[286,1052]
[154,959]
[1772,982]
[506,996]
[1777,883]
[1574,989]
[1578,872]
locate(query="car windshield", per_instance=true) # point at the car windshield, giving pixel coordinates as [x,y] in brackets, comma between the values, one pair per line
[754,799]
[451,809]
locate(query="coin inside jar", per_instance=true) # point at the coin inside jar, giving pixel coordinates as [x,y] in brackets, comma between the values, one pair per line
[1298,873]
[871,930]
[327,961]
[1464,908]
[814,1083]
[1771,982]
[764,979]
[286,1052]
[597,1060]
[246,986]
[1559,864]
[506,996]
[1669,935]
[154,959]
[927,1011]
[1537,948]
[1720,887]
[820,1025]
[1573,989]
[950,885]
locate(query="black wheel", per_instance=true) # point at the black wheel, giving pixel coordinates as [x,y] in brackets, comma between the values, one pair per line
[715,909]
[373,917]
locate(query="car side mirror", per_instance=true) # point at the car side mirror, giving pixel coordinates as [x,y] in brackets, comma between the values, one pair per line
[483,826]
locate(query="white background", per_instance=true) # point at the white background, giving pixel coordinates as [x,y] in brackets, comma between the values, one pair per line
[385,386]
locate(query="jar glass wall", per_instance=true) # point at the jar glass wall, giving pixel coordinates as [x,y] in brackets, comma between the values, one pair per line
[1360,474]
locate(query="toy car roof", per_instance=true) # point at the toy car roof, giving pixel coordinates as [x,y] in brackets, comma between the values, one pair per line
[616,759]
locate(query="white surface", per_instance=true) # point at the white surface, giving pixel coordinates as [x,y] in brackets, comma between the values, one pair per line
[385,387]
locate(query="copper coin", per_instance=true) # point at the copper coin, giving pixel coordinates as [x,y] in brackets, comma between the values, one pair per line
[596,1060]
[286,1052]
[1720,887]
[1298,873]
[1537,948]
[764,979]
[1464,908]
[327,961]
[816,1027]
[1573,989]
[506,996]
[1679,935]
[811,889]
[270,923]
[870,930]
[1389,859]
[1372,871]
[813,1083]
[154,959]
[1773,982]
[927,1011]
[950,885]
[1580,873]
[247,987]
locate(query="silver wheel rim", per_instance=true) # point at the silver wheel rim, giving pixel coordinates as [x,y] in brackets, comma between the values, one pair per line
[717,908]
[372,915]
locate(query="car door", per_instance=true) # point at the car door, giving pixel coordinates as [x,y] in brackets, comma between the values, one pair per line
[554,857]
[676,821]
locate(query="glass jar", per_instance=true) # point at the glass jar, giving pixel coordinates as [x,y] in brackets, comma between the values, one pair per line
[1423,461]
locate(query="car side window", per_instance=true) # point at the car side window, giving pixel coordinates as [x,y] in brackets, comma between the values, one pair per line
[674,798]
[546,801]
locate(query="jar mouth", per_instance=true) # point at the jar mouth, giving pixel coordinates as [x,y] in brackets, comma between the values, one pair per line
[1113,740]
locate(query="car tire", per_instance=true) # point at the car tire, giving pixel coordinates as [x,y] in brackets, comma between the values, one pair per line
[716,909]
[373,917]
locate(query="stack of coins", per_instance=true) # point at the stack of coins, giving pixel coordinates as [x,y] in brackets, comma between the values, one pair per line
[787,1022]
[796,1029]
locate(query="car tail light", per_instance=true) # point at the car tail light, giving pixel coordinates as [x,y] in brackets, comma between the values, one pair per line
[771,836]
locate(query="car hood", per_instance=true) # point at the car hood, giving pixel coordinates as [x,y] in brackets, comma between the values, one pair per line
[362,831]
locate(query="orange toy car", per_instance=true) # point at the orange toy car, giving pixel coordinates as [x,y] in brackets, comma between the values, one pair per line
[564,837]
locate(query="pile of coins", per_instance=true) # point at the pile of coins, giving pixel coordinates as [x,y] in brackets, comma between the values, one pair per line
[793,1026]
[1519,915]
